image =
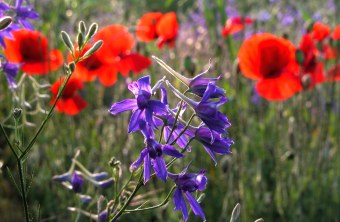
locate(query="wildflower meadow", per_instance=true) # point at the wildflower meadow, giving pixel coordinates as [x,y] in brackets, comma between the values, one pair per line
[126,110]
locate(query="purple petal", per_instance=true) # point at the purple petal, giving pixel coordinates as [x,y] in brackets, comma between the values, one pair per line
[195,206]
[133,87]
[122,106]
[164,98]
[135,119]
[171,151]
[144,84]
[160,168]
[138,162]
[147,168]
[157,106]
[211,154]
[180,203]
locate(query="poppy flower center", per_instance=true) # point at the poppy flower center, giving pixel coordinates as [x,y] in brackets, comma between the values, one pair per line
[92,63]
[32,51]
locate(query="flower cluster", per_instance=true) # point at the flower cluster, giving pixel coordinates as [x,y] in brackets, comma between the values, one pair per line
[150,114]
[282,69]
[158,26]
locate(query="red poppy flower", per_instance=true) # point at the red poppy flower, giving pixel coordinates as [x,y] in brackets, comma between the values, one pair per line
[88,69]
[320,31]
[336,33]
[235,24]
[166,29]
[334,73]
[271,61]
[329,52]
[30,48]
[70,102]
[146,26]
[311,66]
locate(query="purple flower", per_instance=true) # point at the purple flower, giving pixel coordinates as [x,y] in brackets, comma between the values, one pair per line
[10,70]
[151,155]
[207,109]
[142,106]
[221,145]
[77,182]
[186,184]
[25,12]
[198,84]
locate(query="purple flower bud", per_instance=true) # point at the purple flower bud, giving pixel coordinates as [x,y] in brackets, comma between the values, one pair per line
[62,178]
[105,183]
[85,198]
[100,176]
[77,182]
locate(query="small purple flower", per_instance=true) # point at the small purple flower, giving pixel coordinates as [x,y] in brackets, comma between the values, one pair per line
[151,155]
[142,106]
[10,70]
[186,184]
[77,182]
[207,109]
[221,145]
[198,84]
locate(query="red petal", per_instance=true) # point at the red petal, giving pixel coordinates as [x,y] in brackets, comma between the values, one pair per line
[334,73]
[108,76]
[146,26]
[280,88]
[336,33]
[117,40]
[167,26]
[320,31]
[235,24]
[71,106]
[133,62]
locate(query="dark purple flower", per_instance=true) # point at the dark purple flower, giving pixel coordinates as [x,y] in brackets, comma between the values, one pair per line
[11,71]
[221,145]
[76,182]
[207,109]
[142,106]
[186,184]
[198,84]
[151,155]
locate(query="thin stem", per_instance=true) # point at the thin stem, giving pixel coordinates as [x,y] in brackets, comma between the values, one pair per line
[161,134]
[121,211]
[165,201]
[30,145]
[175,121]
[185,129]
[23,189]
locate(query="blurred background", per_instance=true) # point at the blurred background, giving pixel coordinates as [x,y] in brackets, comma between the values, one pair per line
[285,163]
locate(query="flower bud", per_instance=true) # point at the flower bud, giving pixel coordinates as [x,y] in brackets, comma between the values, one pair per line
[5,22]
[17,113]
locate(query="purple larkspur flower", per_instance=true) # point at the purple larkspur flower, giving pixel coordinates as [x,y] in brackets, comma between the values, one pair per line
[168,121]
[220,145]
[198,84]
[25,12]
[186,184]
[77,182]
[10,70]
[207,109]
[142,106]
[152,155]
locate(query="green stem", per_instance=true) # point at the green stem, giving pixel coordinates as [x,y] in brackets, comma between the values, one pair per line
[183,131]
[175,122]
[165,201]
[23,189]
[121,211]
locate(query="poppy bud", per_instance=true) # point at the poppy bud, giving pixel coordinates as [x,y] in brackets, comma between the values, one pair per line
[82,27]
[72,66]
[309,26]
[67,40]
[299,56]
[5,22]
[92,30]
[306,81]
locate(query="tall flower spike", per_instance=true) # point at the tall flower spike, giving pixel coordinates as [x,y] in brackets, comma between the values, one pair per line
[206,109]
[198,84]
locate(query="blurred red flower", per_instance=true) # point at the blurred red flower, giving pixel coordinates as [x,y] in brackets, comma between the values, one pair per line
[235,24]
[146,26]
[30,48]
[271,61]
[311,66]
[320,31]
[336,33]
[334,73]
[155,25]
[70,102]
[114,56]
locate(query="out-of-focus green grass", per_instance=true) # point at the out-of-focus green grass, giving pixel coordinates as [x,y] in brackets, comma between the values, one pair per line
[285,162]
